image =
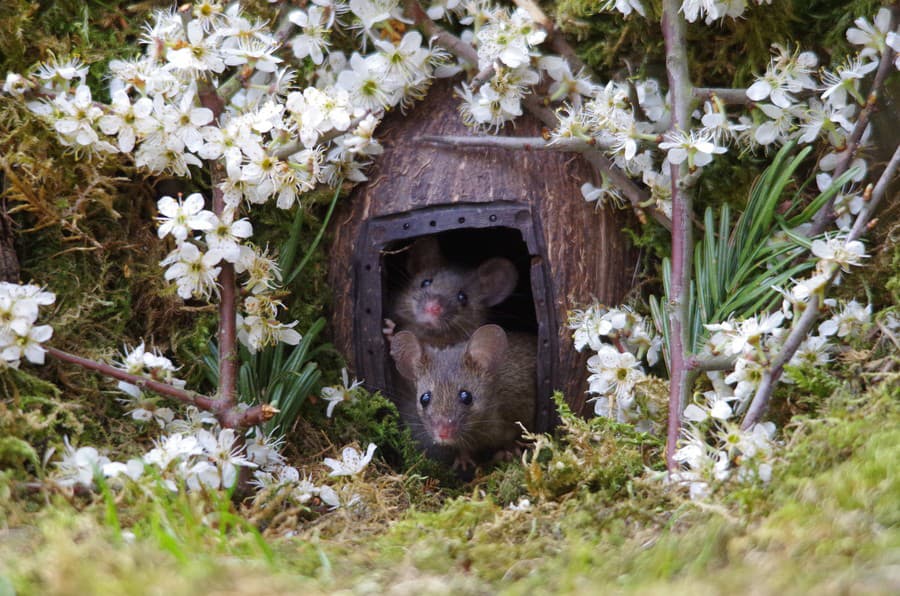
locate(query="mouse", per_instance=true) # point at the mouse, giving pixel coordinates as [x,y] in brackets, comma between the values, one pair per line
[442,304]
[471,396]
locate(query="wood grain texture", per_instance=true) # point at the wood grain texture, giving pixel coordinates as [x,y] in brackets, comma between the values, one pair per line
[584,249]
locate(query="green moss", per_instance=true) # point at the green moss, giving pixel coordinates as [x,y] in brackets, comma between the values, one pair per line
[597,455]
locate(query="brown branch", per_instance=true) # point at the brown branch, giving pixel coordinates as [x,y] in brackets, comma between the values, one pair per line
[770,377]
[226,413]
[511,143]
[767,384]
[709,363]
[865,214]
[484,75]
[189,397]
[735,97]
[294,146]
[826,214]
[674,32]
[227,331]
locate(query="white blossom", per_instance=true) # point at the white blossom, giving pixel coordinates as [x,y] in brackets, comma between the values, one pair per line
[339,393]
[352,462]
[697,147]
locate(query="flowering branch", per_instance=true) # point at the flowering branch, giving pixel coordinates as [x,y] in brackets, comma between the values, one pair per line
[674,32]
[438,35]
[826,215]
[637,196]
[225,412]
[876,194]
[804,325]
[557,42]
[189,397]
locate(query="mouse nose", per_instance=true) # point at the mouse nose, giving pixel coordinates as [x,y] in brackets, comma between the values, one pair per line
[445,431]
[433,308]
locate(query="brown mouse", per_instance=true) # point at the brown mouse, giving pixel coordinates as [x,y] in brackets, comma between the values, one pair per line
[471,396]
[443,304]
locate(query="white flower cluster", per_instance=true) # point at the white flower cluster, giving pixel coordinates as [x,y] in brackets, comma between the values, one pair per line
[274,140]
[713,448]
[713,10]
[196,458]
[622,339]
[792,101]
[505,41]
[738,455]
[19,336]
[196,454]
[152,365]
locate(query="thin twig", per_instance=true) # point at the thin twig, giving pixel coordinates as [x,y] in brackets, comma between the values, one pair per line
[511,143]
[868,210]
[674,32]
[826,215]
[771,376]
[735,97]
[189,397]
[227,415]
[484,75]
[285,151]
[709,363]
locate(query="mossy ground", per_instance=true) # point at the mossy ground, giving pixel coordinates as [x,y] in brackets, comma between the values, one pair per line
[829,522]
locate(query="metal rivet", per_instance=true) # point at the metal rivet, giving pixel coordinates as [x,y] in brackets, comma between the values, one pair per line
[406,226]
[432,223]
[493,218]
[461,220]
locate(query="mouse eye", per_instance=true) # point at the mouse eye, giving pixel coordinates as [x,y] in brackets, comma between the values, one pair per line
[425,399]
[465,397]
[462,298]
[426,282]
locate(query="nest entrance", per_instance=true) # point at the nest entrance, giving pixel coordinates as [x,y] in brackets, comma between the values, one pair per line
[468,235]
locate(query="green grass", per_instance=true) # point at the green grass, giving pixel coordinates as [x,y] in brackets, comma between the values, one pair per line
[828,523]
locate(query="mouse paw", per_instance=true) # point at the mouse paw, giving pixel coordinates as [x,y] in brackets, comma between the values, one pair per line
[388,329]
[508,454]
[463,461]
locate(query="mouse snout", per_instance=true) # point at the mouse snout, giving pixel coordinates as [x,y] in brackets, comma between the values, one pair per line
[433,307]
[432,310]
[445,431]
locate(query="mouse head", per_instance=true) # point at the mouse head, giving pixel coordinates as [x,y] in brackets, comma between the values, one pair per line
[442,299]
[454,385]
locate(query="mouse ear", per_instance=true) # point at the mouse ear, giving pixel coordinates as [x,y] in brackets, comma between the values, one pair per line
[424,253]
[487,347]
[407,353]
[498,278]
